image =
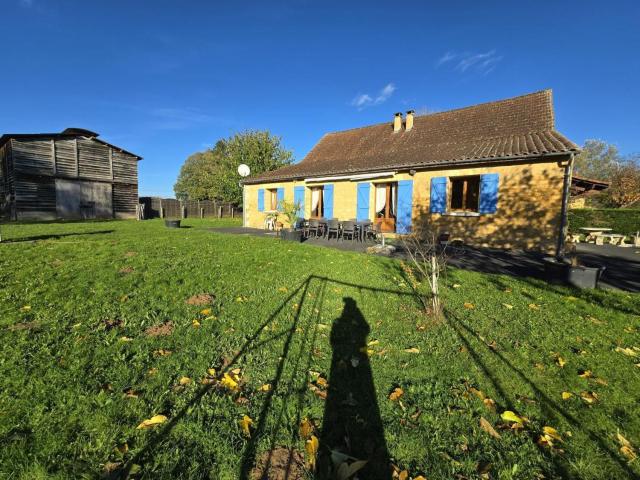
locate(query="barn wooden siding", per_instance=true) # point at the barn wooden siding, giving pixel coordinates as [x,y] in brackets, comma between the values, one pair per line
[38,162]
[6,179]
[156,207]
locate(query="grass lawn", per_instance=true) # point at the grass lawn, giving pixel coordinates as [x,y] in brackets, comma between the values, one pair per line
[97,336]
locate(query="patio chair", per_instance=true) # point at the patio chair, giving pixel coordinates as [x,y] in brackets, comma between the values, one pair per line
[349,228]
[374,231]
[333,226]
[314,227]
[301,225]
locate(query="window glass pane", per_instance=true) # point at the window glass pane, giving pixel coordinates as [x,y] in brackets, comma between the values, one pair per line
[473,193]
[457,189]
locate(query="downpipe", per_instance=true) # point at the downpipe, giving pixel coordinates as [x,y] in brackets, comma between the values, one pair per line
[562,232]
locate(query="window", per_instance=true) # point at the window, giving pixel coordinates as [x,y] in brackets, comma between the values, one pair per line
[465,192]
[317,204]
[273,198]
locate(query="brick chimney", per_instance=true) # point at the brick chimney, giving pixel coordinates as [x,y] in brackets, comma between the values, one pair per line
[409,121]
[397,122]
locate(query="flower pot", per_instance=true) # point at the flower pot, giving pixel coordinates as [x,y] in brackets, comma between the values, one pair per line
[172,223]
[580,276]
[291,235]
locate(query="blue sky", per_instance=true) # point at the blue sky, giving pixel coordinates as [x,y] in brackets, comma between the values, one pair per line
[167,78]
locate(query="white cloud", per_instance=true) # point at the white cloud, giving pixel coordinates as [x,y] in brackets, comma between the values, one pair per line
[363,100]
[467,62]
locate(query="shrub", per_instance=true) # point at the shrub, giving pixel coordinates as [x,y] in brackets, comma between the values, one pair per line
[620,220]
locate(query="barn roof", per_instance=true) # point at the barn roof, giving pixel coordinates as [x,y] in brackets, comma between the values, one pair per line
[508,129]
[66,133]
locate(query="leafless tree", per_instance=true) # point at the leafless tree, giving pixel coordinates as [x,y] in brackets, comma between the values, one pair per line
[427,255]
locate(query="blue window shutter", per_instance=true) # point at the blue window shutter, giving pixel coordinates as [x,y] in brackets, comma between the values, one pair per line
[362,211]
[298,199]
[327,201]
[438,198]
[280,197]
[261,200]
[405,206]
[489,193]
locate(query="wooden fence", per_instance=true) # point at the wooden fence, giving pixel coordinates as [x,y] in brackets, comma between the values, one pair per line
[156,207]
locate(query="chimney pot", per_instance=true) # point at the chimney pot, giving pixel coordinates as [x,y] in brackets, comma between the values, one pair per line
[409,121]
[397,122]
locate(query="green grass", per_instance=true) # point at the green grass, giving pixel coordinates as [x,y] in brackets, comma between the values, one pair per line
[63,373]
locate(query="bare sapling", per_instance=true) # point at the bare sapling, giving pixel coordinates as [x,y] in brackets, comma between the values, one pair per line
[428,258]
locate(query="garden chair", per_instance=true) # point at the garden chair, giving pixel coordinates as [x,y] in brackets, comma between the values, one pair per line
[374,231]
[301,225]
[333,226]
[349,228]
[314,227]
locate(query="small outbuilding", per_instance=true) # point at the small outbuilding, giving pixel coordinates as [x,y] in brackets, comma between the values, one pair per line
[68,175]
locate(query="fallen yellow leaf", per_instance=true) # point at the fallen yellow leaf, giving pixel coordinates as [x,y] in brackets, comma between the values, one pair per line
[196,324]
[412,350]
[626,448]
[561,361]
[403,475]
[509,416]
[206,312]
[589,397]
[306,428]
[185,381]
[468,305]
[245,425]
[627,351]
[266,387]
[551,432]
[150,422]
[26,308]
[211,372]
[487,427]
[456,285]
[585,374]
[311,447]
[396,394]
[230,382]
[533,306]
[566,395]
[489,403]
[507,306]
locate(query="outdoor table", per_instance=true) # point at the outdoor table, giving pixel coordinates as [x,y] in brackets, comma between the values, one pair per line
[594,232]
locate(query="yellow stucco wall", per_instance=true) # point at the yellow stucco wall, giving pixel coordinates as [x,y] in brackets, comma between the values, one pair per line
[528,215]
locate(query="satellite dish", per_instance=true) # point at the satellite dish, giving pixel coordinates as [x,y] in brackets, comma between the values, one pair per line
[243,170]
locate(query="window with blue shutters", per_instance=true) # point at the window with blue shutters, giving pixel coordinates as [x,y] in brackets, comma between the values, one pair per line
[261,200]
[438,196]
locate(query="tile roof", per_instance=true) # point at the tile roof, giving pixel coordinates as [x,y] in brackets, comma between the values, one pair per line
[513,128]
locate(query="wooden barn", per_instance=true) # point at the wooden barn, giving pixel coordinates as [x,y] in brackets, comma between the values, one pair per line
[67,175]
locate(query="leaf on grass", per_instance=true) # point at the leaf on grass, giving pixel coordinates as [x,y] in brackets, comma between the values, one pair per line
[548,436]
[196,324]
[478,393]
[589,397]
[412,350]
[162,352]
[585,373]
[626,448]
[126,339]
[468,305]
[306,428]
[26,308]
[245,425]
[346,470]
[489,403]
[566,395]
[367,351]
[533,306]
[509,416]
[266,387]
[627,351]
[206,312]
[456,285]
[230,381]
[560,361]
[487,427]
[184,381]
[507,306]
[283,289]
[396,394]
[552,432]
[311,447]
[211,372]
[322,382]
[151,422]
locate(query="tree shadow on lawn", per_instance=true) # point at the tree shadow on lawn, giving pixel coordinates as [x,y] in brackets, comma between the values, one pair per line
[552,411]
[53,236]
[291,380]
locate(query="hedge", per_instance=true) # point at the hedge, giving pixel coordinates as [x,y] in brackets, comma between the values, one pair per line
[620,220]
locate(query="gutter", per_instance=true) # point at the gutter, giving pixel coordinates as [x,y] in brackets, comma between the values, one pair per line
[562,231]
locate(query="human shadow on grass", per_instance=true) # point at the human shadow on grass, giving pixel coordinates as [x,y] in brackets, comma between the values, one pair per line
[351,425]
[552,411]
[290,381]
[53,236]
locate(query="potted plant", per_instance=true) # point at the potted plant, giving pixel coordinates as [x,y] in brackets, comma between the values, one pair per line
[290,211]
[570,271]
